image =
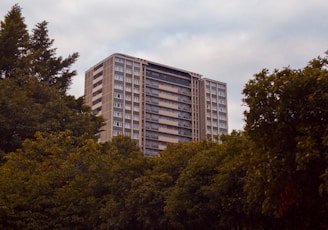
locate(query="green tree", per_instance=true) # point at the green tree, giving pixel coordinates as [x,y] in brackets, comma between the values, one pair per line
[14,44]
[287,120]
[127,164]
[45,66]
[34,84]
[35,106]
[56,181]
[209,191]
[190,205]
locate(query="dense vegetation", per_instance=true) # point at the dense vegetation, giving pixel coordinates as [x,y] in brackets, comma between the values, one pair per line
[54,174]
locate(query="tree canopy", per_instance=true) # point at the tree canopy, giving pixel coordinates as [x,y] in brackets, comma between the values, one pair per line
[287,120]
[34,84]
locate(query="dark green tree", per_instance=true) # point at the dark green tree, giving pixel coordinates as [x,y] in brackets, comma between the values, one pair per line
[35,106]
[14,44]
[126,165]
[209,191]
[54,182]
[45,65]
[33,86]
[287,120]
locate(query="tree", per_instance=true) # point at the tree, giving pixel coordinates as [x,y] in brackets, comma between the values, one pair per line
[35,106]
[127,164]
[33,86]
[45,66]
[287,120]
[14,44]
[209,191]
[56,181]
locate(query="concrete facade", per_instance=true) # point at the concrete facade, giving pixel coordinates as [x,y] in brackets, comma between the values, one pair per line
[155,104]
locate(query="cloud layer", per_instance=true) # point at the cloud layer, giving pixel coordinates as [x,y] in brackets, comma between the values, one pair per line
[228,41]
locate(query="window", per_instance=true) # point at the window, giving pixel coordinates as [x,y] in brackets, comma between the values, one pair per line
[136,90]
[136,99]
[213,91]
[127,107]
[117,123]
[117,114]
[116,133]
[221,94]
[136,64]
[136,72]
[128,89]
[98,67]
[96,101]
[129,63]
[222,101]
[128,71]
[222,117]
[97,92]
[118,105]
[222,86]
[118,95]
[135,136]
[154,117]
[154,92]
[119,68]
[118,77]
[98,75]
[214,99]
[136,81]
[223,125]
[118,86]
[136,117]
[127,125]
[97,84]
[119,60]
[135,127]
[128,97]
[154,126]
[222,109]
[127,116]
[128,80]
[136,108]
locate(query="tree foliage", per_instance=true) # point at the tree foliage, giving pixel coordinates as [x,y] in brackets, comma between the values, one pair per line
[33,86]
[287,119]
[14,44]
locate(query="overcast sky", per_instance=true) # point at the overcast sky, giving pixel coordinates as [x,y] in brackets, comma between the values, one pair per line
[226,40]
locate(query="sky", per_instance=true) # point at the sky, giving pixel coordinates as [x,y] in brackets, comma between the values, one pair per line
[225,40]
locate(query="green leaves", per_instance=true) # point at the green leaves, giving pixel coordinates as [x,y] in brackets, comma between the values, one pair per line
[33,86]
[287,120]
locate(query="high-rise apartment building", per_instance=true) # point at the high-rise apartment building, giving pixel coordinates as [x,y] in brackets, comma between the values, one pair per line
[155,104]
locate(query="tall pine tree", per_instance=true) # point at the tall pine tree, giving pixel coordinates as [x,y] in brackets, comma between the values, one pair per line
[33,86]
[14,44]
[46,67]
